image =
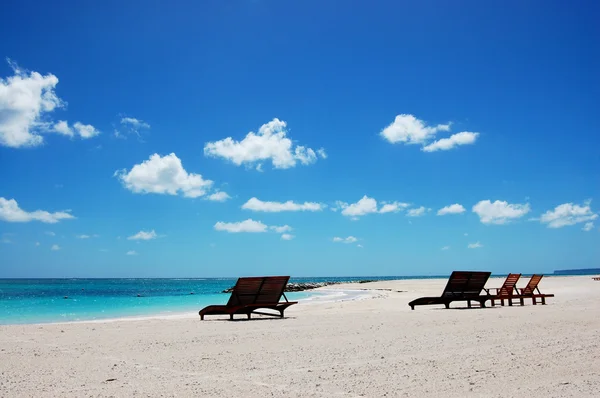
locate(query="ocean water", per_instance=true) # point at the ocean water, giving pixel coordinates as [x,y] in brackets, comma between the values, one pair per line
[25,301]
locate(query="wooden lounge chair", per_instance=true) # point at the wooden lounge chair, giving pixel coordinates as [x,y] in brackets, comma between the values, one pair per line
[596,278]
[252,293]
[462,286]
[529,291]
[508,291]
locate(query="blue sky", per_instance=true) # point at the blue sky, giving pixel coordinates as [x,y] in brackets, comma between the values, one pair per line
[125,146]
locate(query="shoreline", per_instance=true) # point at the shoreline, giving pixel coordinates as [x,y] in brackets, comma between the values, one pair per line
[329,293]
[316,296]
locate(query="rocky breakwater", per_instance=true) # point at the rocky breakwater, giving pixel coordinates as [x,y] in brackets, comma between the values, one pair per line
[302,286]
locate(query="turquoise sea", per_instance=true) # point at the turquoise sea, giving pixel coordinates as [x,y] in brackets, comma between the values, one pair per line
[65,300]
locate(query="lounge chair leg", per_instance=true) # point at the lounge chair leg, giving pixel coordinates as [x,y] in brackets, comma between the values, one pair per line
[469,303]
[493,303]
[522,301]
[446,304]
[482,304]
[501,302]
[534,301]
[412,307]
[543,300]
[231,317]
[201,317]
[248,315]
[281,313]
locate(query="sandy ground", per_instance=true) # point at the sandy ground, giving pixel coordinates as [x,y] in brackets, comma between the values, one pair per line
[374,347]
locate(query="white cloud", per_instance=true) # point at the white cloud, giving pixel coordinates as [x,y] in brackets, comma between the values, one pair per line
[133,122]
[364,206]
[446,248]
[475,245]
[499,212]
[359,245]
[588,227]
[367,205]
[50,233]
[280,229]
[83,236]
[37,243]
[130,125]
[417,212]
[62,127]
[252,226]
[256,204]
[85,130]
[144,235]
[163,175]
[11,212]
[248,225]
[393,207]
[55,248]
[568,214]
[25,98]
[321,152]
[408,129]
[270,143]
[305,155]
[131,253]
[444,144]
[451,209]
[219,196]
[349,239]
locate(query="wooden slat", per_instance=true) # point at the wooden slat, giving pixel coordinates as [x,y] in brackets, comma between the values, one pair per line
[532,285]
[509,285]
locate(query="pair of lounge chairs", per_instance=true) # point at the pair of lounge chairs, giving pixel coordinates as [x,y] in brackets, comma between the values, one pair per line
[510,292]
[251,294]
[468,286]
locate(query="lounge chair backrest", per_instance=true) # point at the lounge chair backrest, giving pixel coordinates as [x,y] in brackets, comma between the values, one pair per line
[272,289]
[508,287]
[257,290]
[465,283]
[532,285]
[245,290]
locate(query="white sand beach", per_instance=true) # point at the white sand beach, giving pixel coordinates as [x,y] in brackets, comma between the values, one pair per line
[373,347]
